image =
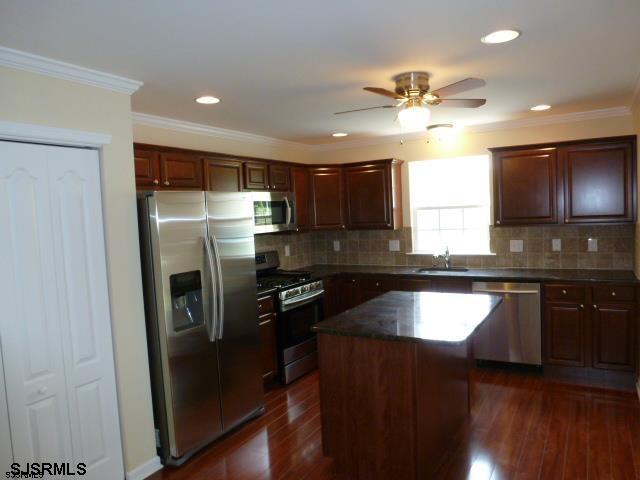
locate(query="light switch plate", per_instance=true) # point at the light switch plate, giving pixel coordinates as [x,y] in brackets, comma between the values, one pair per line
[516,246]
[592,245]
[336,245]
[556,245]
[394,245]
[287,251]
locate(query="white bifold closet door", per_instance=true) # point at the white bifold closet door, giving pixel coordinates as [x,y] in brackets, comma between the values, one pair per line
[55,326]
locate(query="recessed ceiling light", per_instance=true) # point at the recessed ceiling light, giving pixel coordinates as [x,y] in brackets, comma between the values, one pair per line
[207,100]
[540,108]
[339,134]
[500,36]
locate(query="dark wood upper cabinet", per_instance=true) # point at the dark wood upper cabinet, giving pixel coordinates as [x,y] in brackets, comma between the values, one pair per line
[327,198]
[279,178]
[599,182]
[614,336]
[371,195]
[256,176]
[147,168]
[301,186]
[222,175]
[180,170]
[582,181]
[525,186]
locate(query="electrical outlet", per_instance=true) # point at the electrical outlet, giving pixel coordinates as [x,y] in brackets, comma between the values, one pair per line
[287,251]
[394,245]
[516,246]
[556,245]
[592,245]
[336,245]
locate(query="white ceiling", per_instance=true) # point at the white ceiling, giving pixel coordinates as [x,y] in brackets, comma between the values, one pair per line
[282,67]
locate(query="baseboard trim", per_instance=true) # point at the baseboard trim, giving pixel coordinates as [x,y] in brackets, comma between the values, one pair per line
[145,470]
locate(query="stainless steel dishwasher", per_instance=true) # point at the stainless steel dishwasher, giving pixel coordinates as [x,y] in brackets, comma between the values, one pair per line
[513,333]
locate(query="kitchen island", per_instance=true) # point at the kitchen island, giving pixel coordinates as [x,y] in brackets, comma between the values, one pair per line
[394,381]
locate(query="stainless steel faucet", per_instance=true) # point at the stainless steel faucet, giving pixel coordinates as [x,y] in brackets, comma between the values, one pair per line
[446,258]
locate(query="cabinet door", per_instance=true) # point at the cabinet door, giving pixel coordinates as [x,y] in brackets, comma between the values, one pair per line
[331,300]
[614,336]
[525,186]
[598,182]
[453,285]
[368,196]
[372,286]
[181,171]
[279,178]
[301,189]
[327,198]
[565,334]
[147,167]
[415,285]
[267,324]
[348,292]
[222,175]
[256,176]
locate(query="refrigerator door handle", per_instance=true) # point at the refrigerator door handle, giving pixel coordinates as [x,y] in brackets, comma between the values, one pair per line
[219,288]
[213,306]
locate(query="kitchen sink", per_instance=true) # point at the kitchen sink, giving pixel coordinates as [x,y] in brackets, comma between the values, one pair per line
[442,269]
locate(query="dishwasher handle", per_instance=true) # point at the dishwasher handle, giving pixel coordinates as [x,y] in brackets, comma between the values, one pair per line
[523,292]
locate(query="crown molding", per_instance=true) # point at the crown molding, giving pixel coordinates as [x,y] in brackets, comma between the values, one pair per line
[485,127]
[30,133]
[209,131]
[66,71]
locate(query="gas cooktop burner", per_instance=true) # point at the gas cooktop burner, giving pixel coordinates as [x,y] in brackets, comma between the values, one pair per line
[283,278]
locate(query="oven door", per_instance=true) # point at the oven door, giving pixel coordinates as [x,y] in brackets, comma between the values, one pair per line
[298,316]
[273,212]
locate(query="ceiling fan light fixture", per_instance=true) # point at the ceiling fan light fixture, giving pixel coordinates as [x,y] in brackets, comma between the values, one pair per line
[442,131]
[414,116]
[500,36]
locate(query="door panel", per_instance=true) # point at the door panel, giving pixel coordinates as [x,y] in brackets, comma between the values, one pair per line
[147,167]
[31,319]
[598,182]
[300,184]
[368,196]
[222,175]
[78,239]
[188,357]
[230,226]
[181,170]
[565,334]
[279,178]
[6,451]
[614,340]
[326,194]
[256,176]
[525,186]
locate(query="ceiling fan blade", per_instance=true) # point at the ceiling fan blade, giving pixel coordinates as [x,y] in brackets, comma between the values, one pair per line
[382,91]
[462,102]
[363,109]
[459,87]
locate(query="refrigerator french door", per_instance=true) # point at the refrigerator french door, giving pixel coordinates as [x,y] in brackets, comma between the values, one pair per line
[200,301]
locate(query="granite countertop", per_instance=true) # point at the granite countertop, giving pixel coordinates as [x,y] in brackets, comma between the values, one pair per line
[448,318]
[484,274]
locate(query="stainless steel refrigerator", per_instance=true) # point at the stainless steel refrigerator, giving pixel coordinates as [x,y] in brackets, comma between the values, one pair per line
[199,278]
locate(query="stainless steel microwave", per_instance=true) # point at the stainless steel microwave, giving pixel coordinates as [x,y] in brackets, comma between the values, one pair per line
[273,212]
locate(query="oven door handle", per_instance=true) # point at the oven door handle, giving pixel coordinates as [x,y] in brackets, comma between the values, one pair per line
[302,299]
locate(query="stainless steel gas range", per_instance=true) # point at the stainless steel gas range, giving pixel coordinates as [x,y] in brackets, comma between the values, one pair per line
[299,305]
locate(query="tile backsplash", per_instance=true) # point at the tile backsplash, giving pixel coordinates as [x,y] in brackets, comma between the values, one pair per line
[615,248]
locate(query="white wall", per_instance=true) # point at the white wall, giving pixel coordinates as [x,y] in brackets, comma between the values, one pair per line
[31,98]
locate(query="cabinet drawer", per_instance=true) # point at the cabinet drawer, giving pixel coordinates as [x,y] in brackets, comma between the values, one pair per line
[573,293]
[265,305]
[614,293]
[381,283]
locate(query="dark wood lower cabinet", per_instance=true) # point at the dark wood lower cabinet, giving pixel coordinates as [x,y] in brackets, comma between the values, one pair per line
[565,334]
[614,336]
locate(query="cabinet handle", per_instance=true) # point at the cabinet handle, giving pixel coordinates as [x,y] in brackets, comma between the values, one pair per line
[497,222]
[613,294]
[581,305]
[564,292]
[353,280]
[166,183]
[343,226]
[156,181]
[259,306]
[377,284]
[595,307]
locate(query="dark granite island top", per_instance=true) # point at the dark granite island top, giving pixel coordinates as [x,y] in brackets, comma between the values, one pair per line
[414,316]
[394,381]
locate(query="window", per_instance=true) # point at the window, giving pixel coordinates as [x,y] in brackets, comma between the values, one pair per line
[450,205]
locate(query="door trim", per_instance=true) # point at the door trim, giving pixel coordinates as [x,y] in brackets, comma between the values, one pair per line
[32,133]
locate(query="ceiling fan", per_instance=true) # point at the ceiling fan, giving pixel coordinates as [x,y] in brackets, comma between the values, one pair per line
[413,96]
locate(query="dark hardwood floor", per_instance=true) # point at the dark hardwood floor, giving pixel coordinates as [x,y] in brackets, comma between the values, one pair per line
[521,427]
